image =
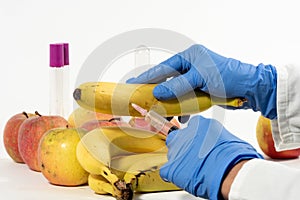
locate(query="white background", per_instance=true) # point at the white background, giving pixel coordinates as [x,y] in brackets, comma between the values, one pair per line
[252,31]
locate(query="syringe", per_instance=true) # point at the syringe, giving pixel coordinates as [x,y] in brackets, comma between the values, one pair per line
[157,121]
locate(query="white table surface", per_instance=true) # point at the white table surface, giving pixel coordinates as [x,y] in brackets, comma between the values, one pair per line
[18,182]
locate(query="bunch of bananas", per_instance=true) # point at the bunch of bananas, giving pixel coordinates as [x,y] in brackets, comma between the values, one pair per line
[123,160]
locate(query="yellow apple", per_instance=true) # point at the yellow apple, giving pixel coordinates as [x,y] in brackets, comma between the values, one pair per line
[57,157]
[80,115]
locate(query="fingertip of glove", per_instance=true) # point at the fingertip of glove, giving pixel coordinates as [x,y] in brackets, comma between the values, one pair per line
[163,172]
[131,80]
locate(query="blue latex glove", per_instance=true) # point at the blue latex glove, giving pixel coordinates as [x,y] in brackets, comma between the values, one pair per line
[200,155]
[198,67]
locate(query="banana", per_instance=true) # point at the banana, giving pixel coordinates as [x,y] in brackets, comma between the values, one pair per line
[137,162]
[142,171]
[141,174]
[148,181]
[143,182]
[99,149]
[100,185]
[101,145]
[116,99]
[106,143]
[98,169]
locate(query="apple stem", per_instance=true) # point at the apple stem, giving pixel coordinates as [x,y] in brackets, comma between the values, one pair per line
[26,115]
[37,113]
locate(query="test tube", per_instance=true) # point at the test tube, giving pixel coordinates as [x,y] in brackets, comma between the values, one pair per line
[141,56]
[59,80]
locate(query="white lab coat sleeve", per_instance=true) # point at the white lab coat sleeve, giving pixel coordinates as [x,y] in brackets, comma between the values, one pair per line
[261,179]
[286,128]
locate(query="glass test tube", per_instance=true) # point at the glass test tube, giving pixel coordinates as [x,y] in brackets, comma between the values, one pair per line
[141,56]
[59,80]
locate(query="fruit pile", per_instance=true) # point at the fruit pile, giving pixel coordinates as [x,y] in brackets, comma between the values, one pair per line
[100,150]
[96,147]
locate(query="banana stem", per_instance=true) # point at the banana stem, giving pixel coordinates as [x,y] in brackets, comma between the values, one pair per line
[234,102]
[122,191]
[125,191]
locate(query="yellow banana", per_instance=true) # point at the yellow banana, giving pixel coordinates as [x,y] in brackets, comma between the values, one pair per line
[97,168]
[149,181]
[137,162]
[89,162]
[99,149]
[100,185]
[105,143]
[142,172]
[116,99]
[119,187]
[100,146]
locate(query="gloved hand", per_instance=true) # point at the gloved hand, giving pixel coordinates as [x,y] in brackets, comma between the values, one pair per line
[200,155]
[198,67]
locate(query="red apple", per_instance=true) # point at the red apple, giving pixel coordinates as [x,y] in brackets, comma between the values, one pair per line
[10,135]
[266,143]
[80,115]
[30,133]
[93,124]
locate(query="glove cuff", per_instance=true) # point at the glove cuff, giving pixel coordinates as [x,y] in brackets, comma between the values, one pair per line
[224,157]
[265,91]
